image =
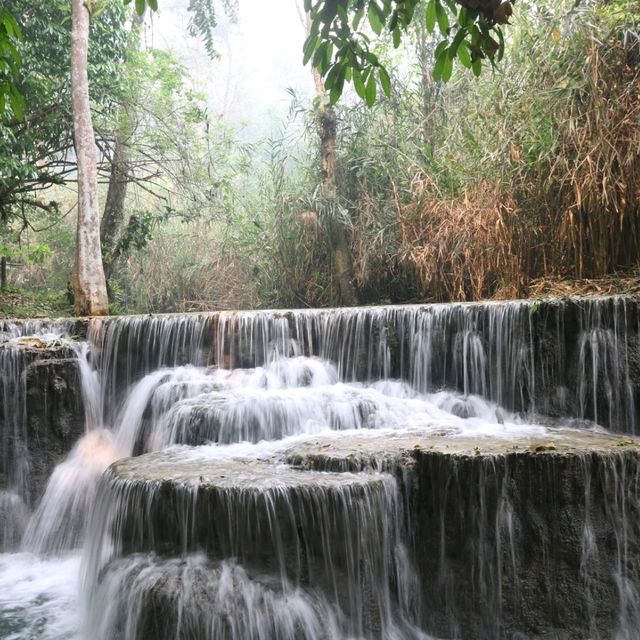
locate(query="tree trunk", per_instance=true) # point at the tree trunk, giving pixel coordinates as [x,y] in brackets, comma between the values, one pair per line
[3,259]
[113,215]
[341,255]
[89,285]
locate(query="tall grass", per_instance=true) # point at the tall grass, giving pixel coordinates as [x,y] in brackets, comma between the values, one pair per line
[529,172]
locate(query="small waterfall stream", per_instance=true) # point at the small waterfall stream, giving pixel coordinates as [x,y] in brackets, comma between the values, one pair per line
[280,475]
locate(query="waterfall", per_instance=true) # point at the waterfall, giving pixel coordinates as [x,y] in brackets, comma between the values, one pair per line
[552,358]
[336,532]
[605,390]
[19,346]
[395,472]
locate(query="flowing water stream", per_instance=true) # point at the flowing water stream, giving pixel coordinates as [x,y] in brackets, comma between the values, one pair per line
[133,552]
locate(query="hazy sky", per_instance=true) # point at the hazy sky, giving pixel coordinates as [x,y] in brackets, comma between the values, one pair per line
[261,56]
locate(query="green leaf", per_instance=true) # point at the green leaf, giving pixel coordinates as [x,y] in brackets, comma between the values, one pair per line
[443,19]
[396,38]
[393,22]
[328,54]
[319,53]
[329,11]
[17,103]
[430,18]
[464,56]
[308,49]
[331,80]
[140,6]
[385,81]
[375,19]
[442,56]
[447,67]
[357,18]
[500,53]
[358,83]
[476,66]
[153,4]
[440,48]
[370,95]
[456,42]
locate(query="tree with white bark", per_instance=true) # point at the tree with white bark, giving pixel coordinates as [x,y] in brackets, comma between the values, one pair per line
[89,285]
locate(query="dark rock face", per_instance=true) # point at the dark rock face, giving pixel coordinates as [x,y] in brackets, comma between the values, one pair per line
[41,418]
[531,546]
[514,539]
[54,413]
[332,533]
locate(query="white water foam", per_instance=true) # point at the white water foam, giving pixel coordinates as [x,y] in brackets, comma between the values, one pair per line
[39,597]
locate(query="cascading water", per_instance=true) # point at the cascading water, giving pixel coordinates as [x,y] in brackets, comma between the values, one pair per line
[19,346]
[293,467]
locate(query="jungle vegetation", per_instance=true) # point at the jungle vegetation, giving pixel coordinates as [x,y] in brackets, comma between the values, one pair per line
[408,176]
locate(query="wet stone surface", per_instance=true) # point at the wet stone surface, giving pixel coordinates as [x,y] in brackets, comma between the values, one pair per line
[334,532]
[54,413]
[502,531]
[355,452]
[189,468]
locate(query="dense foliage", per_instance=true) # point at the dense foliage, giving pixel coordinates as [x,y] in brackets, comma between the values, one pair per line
[340,43]
[10,36]
[485,186]
[480,187]
[36,150]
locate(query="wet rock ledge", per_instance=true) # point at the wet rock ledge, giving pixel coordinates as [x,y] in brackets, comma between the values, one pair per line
[54,412]
[510,538]
[42,412]
[329,531]
[514,538]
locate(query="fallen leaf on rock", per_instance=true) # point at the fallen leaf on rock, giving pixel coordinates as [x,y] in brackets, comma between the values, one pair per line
[32,342]
[538,448]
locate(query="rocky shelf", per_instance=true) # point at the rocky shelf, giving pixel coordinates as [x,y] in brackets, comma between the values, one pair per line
[522,534]
[372,449]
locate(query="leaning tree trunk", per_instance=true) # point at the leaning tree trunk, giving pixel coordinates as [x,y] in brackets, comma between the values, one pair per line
[113,216]
[89,284]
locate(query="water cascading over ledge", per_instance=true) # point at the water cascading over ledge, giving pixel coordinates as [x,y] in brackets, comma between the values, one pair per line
[386,472]
[576,357]
[374,536]
[41,414]
[330,541]
[513,538]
